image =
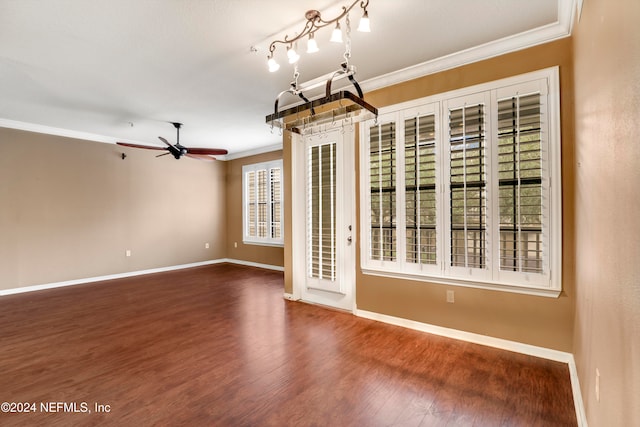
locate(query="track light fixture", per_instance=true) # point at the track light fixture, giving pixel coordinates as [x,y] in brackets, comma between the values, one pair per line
[313,24]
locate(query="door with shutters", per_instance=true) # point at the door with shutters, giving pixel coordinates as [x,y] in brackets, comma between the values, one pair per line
[328,264]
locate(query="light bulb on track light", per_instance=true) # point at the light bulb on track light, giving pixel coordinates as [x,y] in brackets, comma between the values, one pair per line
[364,25]
[292,55]
[273,65]
[312,46]
[336,35]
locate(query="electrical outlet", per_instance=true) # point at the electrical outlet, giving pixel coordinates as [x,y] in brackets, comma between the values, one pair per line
[235,244]
[127,252]
[450,297]
[206,246]
[597,385]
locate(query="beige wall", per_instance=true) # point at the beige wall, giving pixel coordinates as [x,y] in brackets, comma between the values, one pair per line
[541,321]
[246,252]
[69,209]
[607,198]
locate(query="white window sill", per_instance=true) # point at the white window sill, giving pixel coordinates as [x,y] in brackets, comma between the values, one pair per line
[263,243]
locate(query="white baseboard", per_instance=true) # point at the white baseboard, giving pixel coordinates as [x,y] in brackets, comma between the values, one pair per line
[23,289]
[20,290]
[581,414]
[531,350]
[546,353]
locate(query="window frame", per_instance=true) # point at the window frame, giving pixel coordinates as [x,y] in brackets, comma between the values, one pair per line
[547,284]
[267,167]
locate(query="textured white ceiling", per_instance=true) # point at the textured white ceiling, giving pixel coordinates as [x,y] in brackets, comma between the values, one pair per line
[97,66]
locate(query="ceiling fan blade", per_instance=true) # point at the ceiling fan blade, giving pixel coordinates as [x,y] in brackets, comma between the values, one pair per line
[207,151]
[148,147]
[177,150]
[165,141]
[201,157]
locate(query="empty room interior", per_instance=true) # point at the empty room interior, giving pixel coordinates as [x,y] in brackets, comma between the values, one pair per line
[320,212]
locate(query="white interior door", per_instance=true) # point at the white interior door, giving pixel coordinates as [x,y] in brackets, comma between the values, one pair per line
[328,263]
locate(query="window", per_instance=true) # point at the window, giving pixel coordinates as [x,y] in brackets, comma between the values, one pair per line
[458,188]
[262,203]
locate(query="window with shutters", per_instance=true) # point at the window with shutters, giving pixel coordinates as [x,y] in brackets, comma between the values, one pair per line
[463,188]
[262,203]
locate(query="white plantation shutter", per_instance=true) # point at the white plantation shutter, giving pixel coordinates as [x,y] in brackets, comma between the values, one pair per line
[467,186]
[250,205]
[382,175]
[472,205]
[262,203]
[321,208]
[520,183]
[276,205]
[420,189]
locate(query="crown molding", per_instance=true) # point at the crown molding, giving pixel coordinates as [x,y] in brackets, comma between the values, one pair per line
[50,130]
[558,30]
[253,152]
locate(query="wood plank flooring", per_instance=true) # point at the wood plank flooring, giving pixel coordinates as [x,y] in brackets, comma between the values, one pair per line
[219,346]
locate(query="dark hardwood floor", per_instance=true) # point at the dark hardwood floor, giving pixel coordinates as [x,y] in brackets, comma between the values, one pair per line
[218,345]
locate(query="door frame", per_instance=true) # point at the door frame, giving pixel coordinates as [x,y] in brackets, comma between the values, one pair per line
[298,220]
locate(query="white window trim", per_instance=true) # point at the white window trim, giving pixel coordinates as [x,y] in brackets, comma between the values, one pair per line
[263,241]
[552,287]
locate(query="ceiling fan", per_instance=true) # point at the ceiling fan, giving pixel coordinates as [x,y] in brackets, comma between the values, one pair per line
[177,150]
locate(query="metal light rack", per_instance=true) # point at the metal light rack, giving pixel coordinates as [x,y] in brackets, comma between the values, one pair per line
[332,108]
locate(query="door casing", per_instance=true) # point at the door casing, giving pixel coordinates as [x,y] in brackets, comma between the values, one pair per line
[346,144]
